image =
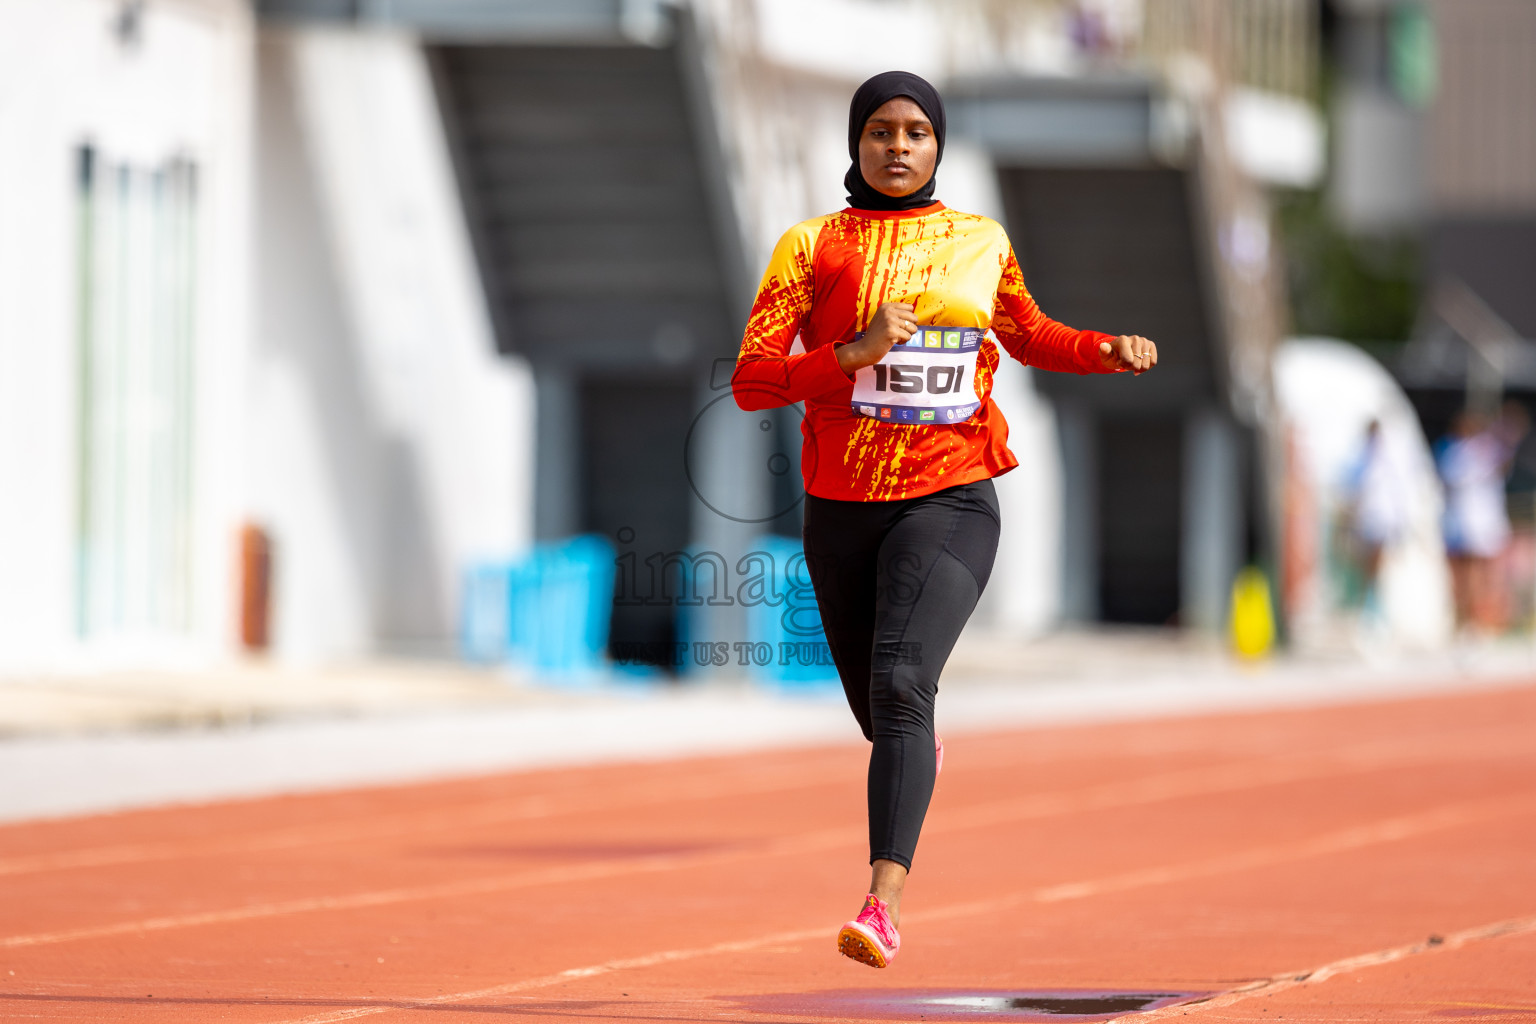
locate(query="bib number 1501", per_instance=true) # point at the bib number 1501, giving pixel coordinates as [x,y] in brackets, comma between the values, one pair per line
[910,379]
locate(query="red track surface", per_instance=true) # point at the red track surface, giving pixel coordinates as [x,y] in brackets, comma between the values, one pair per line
[1288,865]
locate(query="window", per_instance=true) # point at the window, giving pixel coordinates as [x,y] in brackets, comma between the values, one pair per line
[136,276]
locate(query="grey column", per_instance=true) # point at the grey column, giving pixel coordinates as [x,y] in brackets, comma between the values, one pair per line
[557,459]
[732,489]
[1078,437]
[1212,541]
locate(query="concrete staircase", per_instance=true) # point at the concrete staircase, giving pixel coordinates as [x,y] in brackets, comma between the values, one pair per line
[582,172]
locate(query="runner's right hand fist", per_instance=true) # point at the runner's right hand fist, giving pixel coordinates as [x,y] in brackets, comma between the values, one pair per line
[892,324]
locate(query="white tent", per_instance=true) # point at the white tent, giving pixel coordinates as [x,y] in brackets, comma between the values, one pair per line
[1329,391]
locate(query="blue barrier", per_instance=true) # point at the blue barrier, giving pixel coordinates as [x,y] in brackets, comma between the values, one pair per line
[484,613]
[547,612]
[787,634]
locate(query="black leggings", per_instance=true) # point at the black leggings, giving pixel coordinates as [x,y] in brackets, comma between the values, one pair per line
[896,582]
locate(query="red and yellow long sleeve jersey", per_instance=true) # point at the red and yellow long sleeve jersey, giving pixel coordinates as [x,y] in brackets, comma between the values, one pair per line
[827,277]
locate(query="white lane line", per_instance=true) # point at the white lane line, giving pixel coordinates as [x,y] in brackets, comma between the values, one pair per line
[1356,837]
[670,956]
[495,812]
[1348,965]
[1388,830]
[584,872]
[1231,777]
[1234,776]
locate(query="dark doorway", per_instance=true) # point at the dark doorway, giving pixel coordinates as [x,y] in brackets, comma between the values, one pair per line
[1111,249]
[1140,462]
[634,491]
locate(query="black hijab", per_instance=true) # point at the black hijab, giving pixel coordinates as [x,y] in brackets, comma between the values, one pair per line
[869,98]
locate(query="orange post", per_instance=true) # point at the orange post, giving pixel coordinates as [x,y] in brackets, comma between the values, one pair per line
[255,587]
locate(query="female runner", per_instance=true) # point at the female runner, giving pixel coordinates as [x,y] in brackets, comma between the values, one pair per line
[891,299]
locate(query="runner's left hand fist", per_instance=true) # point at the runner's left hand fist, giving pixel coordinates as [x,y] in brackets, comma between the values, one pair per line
[1128,352]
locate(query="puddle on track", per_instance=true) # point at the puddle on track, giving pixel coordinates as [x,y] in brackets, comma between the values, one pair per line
[953,1005]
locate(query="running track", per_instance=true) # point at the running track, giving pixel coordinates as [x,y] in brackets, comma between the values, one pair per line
[1369,862]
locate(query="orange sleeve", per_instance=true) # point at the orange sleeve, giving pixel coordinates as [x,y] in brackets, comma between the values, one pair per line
[766,375]
[1035,339]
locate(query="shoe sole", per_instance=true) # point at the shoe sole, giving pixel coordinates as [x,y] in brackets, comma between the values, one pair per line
[854,945]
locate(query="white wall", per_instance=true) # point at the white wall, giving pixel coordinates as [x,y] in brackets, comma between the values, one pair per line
[389,444]
[179,88]
[346,390]
[1024,593]
[1378,173]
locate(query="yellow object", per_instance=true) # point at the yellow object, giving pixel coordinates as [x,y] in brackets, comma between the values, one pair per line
[1252,625]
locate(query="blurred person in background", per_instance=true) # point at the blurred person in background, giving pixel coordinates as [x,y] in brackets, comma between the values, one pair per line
[1474,462]
[894,301]
[1518,563]
[1379,494]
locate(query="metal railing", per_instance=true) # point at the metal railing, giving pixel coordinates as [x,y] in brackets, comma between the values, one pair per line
[1270,45]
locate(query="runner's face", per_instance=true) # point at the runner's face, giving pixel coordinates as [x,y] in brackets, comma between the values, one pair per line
[898,150]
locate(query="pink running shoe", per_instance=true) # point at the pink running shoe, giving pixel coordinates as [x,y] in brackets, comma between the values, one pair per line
[870,938]
[938,755]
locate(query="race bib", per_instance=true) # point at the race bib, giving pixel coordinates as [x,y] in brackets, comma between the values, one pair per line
[930,378]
